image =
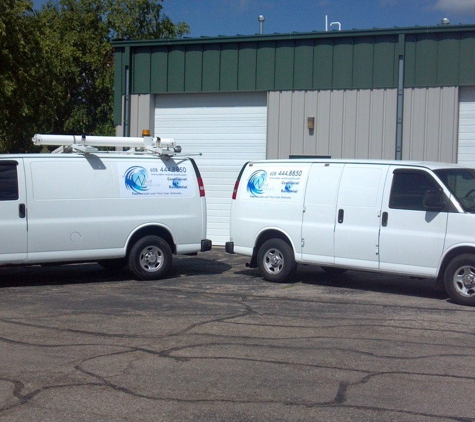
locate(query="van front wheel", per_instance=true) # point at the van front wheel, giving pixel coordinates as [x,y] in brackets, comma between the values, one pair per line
[459,279]
[150,258]
[276,260]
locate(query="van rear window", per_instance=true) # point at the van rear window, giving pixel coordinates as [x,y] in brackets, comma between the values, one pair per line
[8,181]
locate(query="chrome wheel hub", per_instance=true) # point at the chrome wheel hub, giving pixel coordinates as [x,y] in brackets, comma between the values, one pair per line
[464,281]
[274,261]
[151,258]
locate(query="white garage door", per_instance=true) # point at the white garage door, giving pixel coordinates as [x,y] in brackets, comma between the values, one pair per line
[228,129]
[466,148]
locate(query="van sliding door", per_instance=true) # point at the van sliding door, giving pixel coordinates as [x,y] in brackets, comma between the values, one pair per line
[318,224]
[358,215]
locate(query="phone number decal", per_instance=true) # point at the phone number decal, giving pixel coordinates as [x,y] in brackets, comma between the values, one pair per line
[286,173]
[171,169]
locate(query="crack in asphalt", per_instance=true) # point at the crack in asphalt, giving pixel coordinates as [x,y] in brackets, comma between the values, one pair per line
[341,396]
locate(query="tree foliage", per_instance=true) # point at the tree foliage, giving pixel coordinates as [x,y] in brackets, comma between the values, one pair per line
[57,63]
[141,19]
[20,70]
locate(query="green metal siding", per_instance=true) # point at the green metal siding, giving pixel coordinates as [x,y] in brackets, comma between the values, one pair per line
[385,61]
[448,53]
[446,59]
[247,67]
[159,73]
[303,71]
[265,69]
[284,63]
[229,68]
[433,56]
[323,65]
[211,66]
[363,65]
[176,69]
[142,69]
[194,66]
[343,64]
[467,59]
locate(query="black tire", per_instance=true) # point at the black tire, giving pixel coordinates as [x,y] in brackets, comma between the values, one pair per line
[459,279]
[276,260]
[334,270]
[150,258]
[113,264]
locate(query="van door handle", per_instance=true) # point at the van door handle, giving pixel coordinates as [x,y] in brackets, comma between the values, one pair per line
[341,214]
[22,211]
[384,221]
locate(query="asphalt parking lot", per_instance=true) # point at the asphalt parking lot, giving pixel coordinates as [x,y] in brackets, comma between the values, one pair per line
[215,342]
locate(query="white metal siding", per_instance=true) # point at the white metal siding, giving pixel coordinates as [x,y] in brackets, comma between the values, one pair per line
[348,123]
[466,147]
[228,129]
[430,124]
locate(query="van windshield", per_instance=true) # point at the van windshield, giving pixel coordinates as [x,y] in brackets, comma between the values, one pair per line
[461,182]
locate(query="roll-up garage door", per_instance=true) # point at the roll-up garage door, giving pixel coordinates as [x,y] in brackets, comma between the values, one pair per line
[228,130]
[466,147]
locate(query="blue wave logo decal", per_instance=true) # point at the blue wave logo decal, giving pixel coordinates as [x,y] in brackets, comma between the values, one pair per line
[290,187]
[255,184]
[136,179]
[178,183]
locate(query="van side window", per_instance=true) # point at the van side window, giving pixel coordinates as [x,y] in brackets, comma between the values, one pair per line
[8,181]
[408,189]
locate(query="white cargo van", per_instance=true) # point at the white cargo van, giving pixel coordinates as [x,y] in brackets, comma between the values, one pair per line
[412,218]
[135,208]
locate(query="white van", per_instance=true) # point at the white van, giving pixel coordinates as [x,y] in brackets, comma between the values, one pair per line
[412,218]
[135,208]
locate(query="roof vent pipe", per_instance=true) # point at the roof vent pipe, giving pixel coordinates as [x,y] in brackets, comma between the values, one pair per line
[331,24]
[261,20]
[445,21]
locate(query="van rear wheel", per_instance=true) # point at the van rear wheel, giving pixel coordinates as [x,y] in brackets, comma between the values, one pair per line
[459,279]
[150,258]
[276,260]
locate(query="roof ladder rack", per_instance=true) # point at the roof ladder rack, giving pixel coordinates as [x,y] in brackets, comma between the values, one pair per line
[88,144]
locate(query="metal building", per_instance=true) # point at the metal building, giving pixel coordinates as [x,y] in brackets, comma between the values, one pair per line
[401,93]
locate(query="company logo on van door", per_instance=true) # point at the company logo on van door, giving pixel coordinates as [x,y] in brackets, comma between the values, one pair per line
[255,184]
[137,179]
[276,183]
[151,180]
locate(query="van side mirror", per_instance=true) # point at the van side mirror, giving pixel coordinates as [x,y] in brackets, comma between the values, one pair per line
[434,201]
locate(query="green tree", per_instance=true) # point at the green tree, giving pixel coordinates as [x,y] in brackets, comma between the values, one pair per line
[20,71]
[67,80]
[142,19]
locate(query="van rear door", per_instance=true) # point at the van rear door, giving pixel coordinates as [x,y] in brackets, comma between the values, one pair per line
[13,221]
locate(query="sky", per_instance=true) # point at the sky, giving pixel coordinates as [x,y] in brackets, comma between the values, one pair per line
[211,18]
